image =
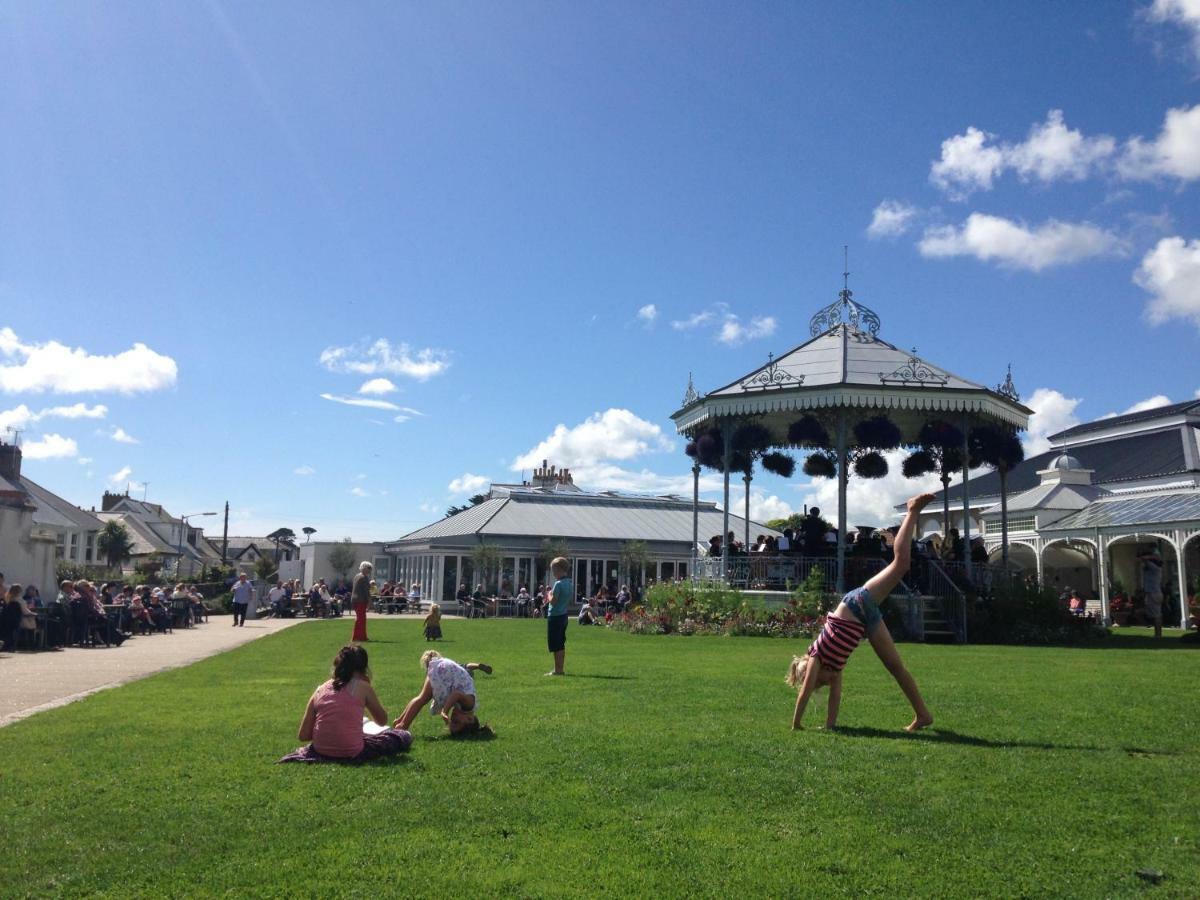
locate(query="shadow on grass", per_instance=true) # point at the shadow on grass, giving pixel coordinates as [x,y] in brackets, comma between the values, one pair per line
[1118,641]
[946,736]
[604,677]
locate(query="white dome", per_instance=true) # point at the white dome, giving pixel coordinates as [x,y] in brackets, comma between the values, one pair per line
[1066,462]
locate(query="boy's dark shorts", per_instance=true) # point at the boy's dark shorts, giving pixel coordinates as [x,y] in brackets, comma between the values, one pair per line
[556,633]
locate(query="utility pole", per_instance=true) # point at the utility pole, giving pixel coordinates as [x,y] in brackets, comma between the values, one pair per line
[225,537]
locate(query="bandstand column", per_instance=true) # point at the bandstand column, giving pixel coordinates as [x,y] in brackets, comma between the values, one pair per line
[726,437]
[695,518]
[841,475]
[966,450]
[746,540]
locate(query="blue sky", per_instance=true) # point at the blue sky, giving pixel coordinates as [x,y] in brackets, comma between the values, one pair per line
[513,229]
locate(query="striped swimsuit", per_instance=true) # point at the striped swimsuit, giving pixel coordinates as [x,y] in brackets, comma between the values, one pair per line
[836,642]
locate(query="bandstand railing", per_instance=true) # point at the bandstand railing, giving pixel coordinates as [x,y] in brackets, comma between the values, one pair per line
[784,572]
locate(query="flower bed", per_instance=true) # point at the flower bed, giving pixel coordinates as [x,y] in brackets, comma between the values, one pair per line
[687,609]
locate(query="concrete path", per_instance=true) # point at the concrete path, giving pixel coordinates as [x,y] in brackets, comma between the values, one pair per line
[32,682]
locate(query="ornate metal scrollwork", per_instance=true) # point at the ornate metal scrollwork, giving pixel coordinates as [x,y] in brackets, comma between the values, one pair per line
[1007,388]
[772,376]
[690,396]
[914,372]
[859,317]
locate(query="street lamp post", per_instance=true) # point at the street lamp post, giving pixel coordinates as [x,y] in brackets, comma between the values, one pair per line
[183,525]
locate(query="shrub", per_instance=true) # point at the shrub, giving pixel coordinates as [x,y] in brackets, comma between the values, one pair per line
[1019,613]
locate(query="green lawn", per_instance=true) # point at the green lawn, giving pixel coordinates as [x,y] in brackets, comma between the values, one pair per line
[660,767]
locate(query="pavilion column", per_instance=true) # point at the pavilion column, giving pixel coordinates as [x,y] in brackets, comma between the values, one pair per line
[1180,544]
[726,440]
[746,540]
[966,451]
[1102,563]
[695,517]
[1004,520]
[842,463]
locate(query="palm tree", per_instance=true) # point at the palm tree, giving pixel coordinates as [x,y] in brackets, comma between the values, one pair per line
[114,543]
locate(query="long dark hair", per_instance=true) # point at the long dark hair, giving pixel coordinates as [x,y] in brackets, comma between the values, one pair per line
[350,661]
[476,730]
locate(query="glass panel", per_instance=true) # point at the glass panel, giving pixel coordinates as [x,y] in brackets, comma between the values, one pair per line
[543,573]
[524,574]
[681,571]
[383,568]
[507,574]
[449,577]
[596,576]
[613,576]
[581,577]
[667,572]
[468,573]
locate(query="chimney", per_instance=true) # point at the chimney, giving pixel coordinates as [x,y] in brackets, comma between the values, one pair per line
[10,463]
[108,501]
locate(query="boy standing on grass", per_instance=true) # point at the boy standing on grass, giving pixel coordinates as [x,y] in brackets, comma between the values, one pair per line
[557,600]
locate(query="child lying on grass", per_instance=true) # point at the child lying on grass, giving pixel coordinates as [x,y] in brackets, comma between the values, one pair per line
[855,617]
[333,719]
[450,691]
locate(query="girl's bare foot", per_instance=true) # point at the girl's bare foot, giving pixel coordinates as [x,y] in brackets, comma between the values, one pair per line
[919,722]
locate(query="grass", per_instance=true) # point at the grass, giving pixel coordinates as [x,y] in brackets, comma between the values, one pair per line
[659,767]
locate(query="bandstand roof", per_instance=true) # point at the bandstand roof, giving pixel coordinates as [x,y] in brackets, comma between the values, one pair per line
[848,365]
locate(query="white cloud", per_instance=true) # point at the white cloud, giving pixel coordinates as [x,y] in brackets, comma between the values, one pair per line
[304,470]
[121,476]
[33,368]
[734,332]
[1149,403]
[468,484]
[358,492]
[994,239]
[121,436]
[84,460]
[615,434]
[967,164]
[1170,273]
[694,321]
[648,313]
[50,446]
[1175,153]
[378,386]
[405,413]
[364,402]
[1051,152]
[430,508]
[1184,13]
[22,416]
[1052,412]
[891,219]
[763,507]
[869,501]
[381,357]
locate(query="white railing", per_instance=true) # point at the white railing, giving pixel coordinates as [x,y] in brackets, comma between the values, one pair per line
[784,572]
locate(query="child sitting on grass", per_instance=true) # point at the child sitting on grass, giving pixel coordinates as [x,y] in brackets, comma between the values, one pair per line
[855,617]
[433,623]
[451,688]
[333,719]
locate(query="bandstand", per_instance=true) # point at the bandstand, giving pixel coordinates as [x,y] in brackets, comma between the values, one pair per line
[845,395]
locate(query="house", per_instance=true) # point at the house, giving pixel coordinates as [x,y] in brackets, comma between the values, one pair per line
[243,552]
[157,534]
[1080,514]
[27,552]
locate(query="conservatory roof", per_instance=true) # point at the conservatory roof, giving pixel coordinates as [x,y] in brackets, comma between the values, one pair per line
[1157,510]
[846,366]
[581,515]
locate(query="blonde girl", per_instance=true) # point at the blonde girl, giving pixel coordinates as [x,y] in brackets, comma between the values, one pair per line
[433,623]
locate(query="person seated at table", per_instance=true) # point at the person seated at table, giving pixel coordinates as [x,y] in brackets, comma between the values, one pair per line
[279,599]
[159,614]
[139,616]
[463,597]
[98,620]
[735,546]
[600,601]
[714,546]
[414,597]
[399,602]
[479,602]
[1077,605]
[316,605]
[181,604]
[196,601]
[10,618]
[523,600]
[623,598]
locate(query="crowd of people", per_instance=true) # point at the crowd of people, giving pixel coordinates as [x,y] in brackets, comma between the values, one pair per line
[288,599]
[86,614]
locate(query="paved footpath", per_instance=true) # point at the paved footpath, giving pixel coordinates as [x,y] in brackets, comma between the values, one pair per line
[32,682]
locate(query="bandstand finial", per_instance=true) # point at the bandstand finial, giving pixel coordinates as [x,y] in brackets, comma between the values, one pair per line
[691,395]
[1007,388]
[859,317]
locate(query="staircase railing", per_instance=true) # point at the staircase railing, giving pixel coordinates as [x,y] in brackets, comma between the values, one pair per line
[929,577]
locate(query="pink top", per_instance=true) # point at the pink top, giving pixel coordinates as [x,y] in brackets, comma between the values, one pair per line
[338,729]
[836,642]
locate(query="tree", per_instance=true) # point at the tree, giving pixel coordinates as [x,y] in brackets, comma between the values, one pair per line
[114,543]
[473,501]
[278,536]
[485,559]
[341,557]
[942,452]
[309,531]
[264,567]
[634,557]
[1001,449]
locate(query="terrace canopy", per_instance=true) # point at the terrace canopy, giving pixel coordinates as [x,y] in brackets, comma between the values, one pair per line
[844,375]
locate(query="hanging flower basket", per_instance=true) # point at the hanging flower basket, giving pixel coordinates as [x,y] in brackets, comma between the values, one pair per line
[878,433]
[808,432]
[780,464]
[919,463]
[871,465]
[819,465]
[939,434]
[751,439]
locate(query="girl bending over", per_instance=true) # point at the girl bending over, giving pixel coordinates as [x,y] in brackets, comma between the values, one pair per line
[856,617]
[449,690]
